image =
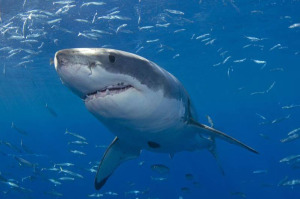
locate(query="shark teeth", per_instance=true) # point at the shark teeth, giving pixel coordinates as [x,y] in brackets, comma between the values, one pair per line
[108,90]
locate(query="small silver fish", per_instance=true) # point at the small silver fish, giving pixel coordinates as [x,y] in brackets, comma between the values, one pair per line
[261,116]
[111,193]
[120,27]
[179,30]
[153,40]
[92,3]
[75,135]
[175,56]
[276,46]
[262,62]
[294,131]
[176,12]
[145,27]
[290,138]
[134,192]
[292,182]
[210,121]
[24,162]
[81,20]
[21,131]
[96,195]
[78,142]
[295,25]
[163,25]
[240,60]
[77,152]
[64,164]
[51,110]
[50,169]
[158,178]
[290,106]
[66,179]
[226,59]
[254,39]
[260,171]
[160,168]
[54,21]
[55,182]
[290,158]
[63,2]
[70,173]
[202,36]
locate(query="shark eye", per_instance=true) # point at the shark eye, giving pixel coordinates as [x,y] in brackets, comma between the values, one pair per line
[112,58]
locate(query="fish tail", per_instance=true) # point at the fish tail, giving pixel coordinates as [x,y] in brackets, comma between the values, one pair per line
[66,132]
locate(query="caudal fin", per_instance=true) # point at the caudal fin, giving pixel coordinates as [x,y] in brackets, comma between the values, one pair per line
[215,133]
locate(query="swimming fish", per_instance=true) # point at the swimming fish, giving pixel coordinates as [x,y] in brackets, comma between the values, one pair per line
[21,131]
[92,3]
[51,110]
[55,182]
[142,104]
[75,135]
[160,168]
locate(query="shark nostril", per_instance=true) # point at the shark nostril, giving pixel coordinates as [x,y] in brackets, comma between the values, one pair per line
[61,61]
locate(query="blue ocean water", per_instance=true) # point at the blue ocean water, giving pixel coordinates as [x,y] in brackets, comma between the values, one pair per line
[239,61]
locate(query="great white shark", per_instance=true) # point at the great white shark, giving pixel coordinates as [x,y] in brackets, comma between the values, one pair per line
[142,104]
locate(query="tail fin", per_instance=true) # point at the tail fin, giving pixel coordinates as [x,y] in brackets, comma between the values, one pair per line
[215,133]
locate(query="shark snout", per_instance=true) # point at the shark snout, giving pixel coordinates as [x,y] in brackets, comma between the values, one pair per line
[61,58]
[69,57]
[56,61]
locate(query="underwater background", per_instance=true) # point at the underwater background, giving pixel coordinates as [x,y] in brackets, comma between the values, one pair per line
[239,60]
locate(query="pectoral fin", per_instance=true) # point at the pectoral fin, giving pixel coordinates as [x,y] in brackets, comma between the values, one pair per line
[116,153]
[218,134]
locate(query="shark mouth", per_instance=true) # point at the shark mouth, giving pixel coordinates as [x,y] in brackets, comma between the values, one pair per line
[108,90]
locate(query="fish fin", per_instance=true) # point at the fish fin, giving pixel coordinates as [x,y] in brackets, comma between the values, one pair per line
[214,153]
[215,133]
[115,154]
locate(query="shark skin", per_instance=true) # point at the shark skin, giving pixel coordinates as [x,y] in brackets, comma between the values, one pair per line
[142,104]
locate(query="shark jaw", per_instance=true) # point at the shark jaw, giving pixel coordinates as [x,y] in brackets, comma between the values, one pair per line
[108,91]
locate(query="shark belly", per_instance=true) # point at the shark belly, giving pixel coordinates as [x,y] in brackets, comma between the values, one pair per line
[163,130]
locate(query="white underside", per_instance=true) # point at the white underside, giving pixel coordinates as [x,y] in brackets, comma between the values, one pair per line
[140,116]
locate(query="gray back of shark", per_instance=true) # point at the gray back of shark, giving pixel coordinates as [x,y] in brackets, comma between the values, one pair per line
[142,104]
